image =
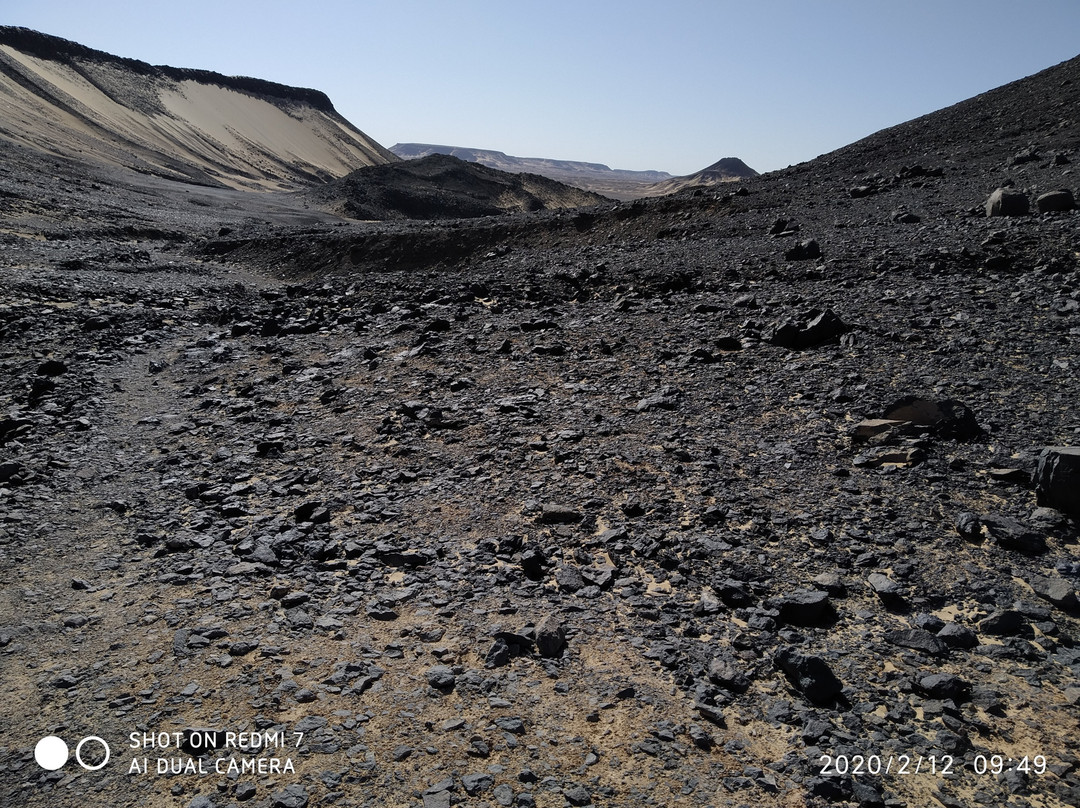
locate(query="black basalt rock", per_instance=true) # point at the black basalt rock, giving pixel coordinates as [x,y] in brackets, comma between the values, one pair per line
[810,675]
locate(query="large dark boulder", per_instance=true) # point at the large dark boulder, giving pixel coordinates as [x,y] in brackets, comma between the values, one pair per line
[1057,478]
[1007,202]
[1011,534]
[806,607]
[803,251]
[1059,201]
[810,675]
[947,419]
[820,329]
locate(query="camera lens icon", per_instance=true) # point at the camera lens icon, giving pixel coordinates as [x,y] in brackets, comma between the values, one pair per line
[51,753]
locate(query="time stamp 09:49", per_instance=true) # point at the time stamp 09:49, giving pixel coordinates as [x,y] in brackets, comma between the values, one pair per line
[940,765]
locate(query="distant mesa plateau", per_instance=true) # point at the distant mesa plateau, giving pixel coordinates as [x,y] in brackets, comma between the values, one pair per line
[597,177]
[449,485]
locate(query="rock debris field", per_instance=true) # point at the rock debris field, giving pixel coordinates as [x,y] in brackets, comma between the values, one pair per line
[759,495]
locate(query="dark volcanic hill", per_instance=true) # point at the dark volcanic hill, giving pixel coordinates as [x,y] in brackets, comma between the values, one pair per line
[443,187]
[596,177]
[727,169]
[614,183]
[759,494]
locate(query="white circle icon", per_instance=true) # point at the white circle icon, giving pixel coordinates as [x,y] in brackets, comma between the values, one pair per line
[78,753]
[51,753]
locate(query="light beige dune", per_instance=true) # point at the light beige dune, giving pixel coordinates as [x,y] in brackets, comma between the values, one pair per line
[183,129]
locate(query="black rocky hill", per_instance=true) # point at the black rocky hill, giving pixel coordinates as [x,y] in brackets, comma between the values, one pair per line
[444,187]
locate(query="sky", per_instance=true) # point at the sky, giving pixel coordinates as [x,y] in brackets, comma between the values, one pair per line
[671,86]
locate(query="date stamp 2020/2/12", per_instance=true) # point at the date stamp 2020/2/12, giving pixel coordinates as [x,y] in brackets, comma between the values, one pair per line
[937,765]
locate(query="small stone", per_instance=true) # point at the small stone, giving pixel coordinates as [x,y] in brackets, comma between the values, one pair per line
[957,636]
[569,579]
[477,783]
[701,738]
[969,526]
[947,418]
[1013,535]
[292,796]
[52,368]
[577,795]
[438,799]
[723,672]
[807,607]
[888,591]
[559,515]
[944,686]
[291,599]
[550,637]
[498,655]
[825,327]
[513,725]
[245,791]
[441,677]
[806,250]
[503,794]
[832,583]
[918,640]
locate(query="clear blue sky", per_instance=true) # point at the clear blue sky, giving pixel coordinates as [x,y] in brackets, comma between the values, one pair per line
[672,85]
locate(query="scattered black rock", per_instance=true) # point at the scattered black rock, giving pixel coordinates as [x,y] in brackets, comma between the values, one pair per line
[918,640]
[821,328]
[441,677]
[1057,591]
[559,515]
[1013,535]
[947,419]
[806,608]
[944,686]
[550,637]
[803,251]
[810,675]
[889,591]
[957,636]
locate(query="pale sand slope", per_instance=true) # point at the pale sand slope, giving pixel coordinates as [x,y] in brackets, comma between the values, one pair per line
[189,129]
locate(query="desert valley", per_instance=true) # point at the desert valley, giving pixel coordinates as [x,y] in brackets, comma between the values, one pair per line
[333,478]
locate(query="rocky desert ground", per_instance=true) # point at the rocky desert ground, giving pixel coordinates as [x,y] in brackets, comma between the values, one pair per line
[762,494]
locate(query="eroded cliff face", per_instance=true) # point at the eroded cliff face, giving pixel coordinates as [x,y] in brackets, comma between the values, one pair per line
[65,99]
